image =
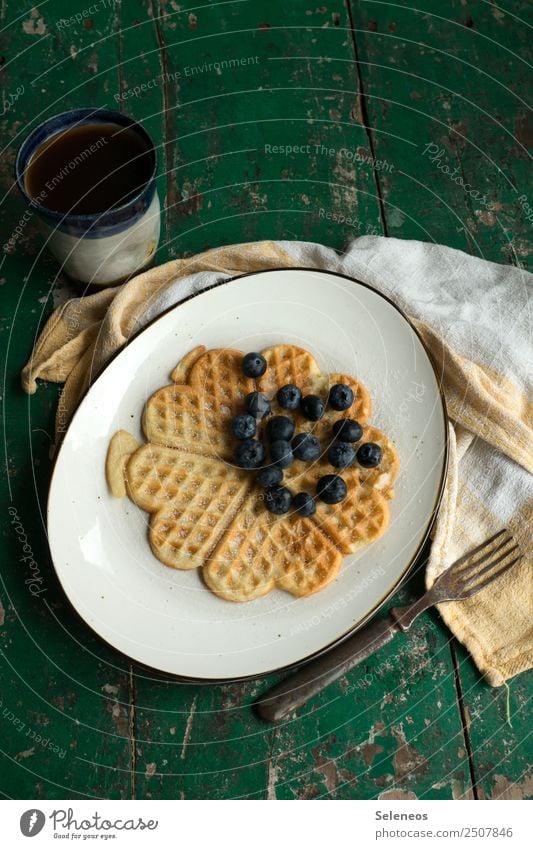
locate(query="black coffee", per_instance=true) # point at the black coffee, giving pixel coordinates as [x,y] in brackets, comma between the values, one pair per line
[88,169]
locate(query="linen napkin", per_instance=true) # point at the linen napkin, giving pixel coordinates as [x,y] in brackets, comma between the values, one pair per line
[473,315]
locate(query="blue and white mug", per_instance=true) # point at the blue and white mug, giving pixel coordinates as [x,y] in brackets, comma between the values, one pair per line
[104,248]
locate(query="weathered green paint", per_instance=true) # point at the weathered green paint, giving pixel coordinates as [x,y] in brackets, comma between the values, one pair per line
[417,720]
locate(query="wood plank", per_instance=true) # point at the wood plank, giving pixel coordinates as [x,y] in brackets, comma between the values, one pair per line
[458,84]
[225,186]
[234,97]
[444,89]
[65,695]
[498,724]
[388,730]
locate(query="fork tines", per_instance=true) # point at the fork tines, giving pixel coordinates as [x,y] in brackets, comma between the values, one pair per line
[480,571]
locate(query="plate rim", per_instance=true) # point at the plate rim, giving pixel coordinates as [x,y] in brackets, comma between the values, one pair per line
[399,580]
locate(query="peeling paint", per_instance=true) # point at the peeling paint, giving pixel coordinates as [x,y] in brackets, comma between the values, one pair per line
[120,717]
[505,789]
[397,794]
[35,24]
[188,729]
[272,777]
[150,770]
[459,791]
[191,198]
[27,753]
[329,770]
[486,217]
[92,64]
[310,791]
[395,218]
[369,752]
[407,762]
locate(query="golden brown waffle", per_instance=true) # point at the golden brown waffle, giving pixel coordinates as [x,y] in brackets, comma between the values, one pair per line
[195,415]
[119,451]
[290,364]
[363,516]
[260,552]
[181,371]
[207,513]
[193,500]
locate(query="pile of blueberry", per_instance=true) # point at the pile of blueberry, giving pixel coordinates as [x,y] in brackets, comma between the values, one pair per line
[284,446]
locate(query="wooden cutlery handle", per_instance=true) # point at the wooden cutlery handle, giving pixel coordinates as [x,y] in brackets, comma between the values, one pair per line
[311,679]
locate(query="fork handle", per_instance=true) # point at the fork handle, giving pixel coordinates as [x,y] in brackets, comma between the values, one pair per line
[297,689]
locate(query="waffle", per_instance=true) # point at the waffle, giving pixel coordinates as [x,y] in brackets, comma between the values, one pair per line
[208,514]
[195,415]
[290,364]
[363,516]
[120,449]
[260,552]
[193,500]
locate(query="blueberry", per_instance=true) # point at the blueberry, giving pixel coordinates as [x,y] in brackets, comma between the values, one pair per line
[312,407]
[304,504]
[281,453]
[348,430]
[257,405]
[244,426]
[331,489]
[341,455]
[278,499]
[340,397]
[305,446]
[289,397]
[254,365]
[279,427]
[249,454]
[369,455]
[269,476]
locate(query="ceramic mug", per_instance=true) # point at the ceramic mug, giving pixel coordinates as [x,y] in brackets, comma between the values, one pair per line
[104,248]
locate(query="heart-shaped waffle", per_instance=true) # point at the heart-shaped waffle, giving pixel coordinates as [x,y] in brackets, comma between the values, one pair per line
[207,513]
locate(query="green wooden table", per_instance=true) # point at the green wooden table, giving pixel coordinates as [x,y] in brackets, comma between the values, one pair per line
[385,107]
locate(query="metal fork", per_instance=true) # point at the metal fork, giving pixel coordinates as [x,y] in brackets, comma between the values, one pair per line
[461,580]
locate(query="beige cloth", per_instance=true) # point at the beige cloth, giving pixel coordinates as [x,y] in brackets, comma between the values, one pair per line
[472,316]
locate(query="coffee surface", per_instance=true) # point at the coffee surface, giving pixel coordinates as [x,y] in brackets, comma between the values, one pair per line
[88,169]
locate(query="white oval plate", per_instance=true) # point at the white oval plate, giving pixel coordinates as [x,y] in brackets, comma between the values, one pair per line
[167,619]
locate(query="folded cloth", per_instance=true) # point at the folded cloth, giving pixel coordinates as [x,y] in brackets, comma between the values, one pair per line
[473,316]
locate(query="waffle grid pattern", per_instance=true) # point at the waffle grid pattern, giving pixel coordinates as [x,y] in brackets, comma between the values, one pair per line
[261,552]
